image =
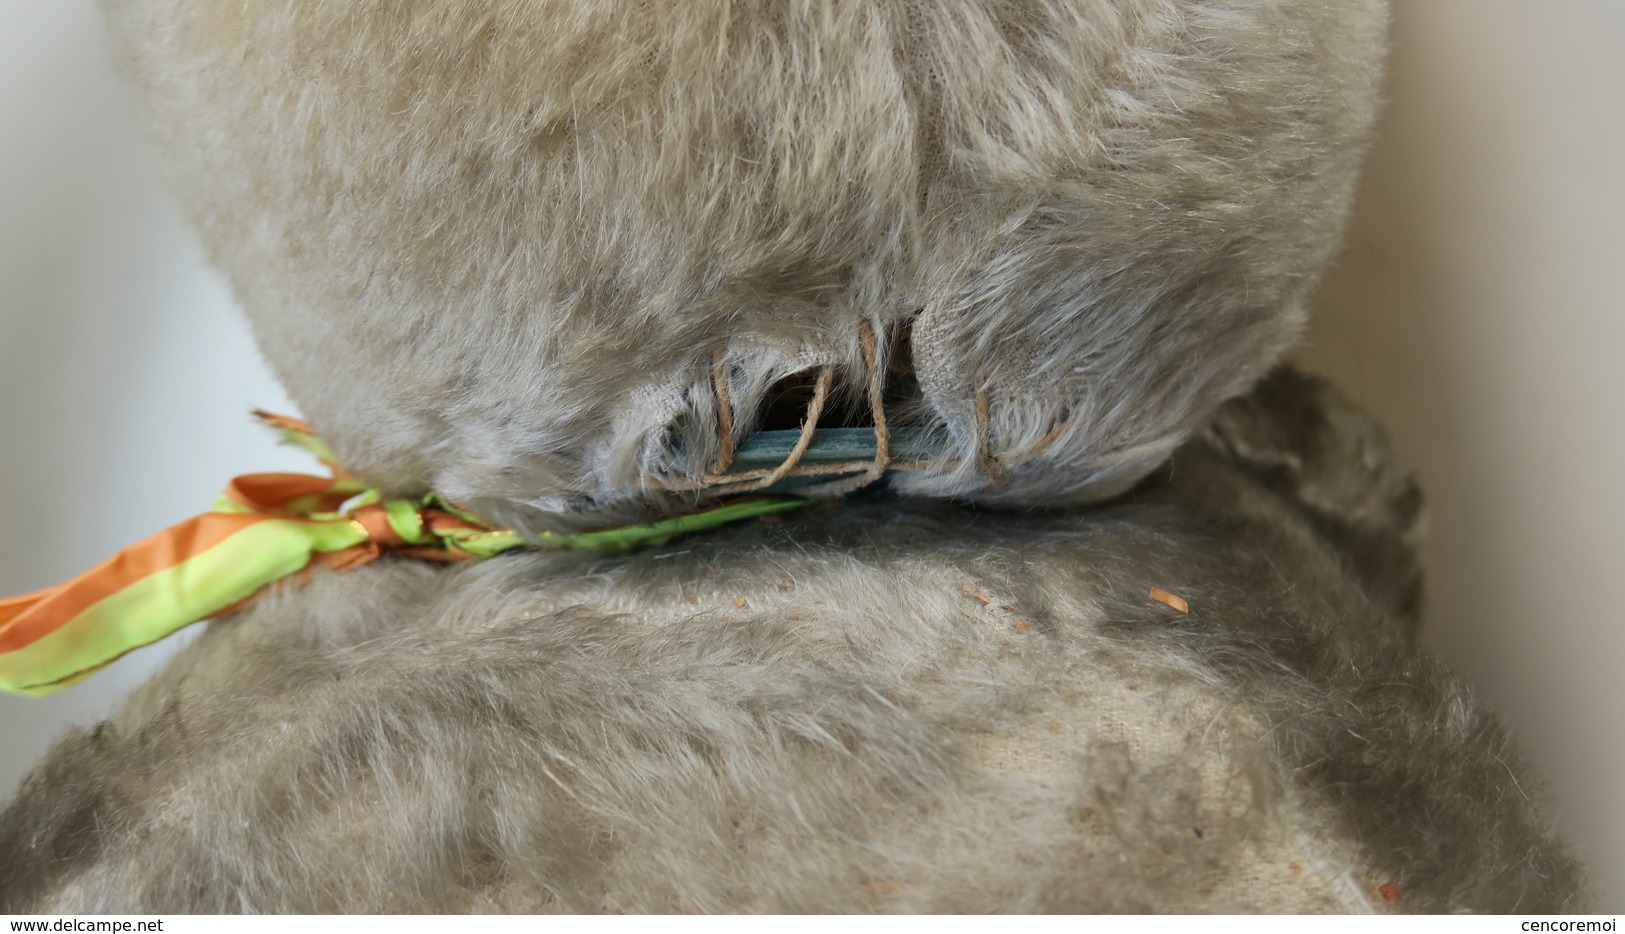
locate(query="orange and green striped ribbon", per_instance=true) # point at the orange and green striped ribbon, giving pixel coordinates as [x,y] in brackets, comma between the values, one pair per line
[268,528]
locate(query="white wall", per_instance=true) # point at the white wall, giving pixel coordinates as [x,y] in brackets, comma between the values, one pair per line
[1477,311]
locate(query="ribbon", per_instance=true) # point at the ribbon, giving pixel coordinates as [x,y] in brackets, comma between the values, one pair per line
[267,529]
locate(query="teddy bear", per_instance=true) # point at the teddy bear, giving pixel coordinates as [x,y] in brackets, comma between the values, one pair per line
[790,457]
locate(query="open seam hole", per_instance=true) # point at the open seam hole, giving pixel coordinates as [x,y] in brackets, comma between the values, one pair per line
[849,406]
[810,400]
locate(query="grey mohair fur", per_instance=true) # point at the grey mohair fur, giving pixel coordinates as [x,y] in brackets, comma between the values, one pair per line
[493,247]
[879,705]
[501,249]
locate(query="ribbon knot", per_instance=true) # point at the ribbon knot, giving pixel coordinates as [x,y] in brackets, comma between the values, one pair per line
[374,523]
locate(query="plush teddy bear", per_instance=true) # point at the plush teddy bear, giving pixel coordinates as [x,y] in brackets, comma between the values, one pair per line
[1042,594]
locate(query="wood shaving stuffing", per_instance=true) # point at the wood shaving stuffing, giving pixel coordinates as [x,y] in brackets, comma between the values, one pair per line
[694,599]
[739,602]
[1173,600]
[1020,625]
[975,593]
[1389,891]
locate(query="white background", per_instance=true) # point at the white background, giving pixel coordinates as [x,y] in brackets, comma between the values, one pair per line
[1478,311]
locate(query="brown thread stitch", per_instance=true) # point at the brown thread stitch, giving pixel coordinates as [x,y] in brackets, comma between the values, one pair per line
[984,443]
[875,377]
[1042,444]
[729,483]
[877,390]
[815,408]
[725,415]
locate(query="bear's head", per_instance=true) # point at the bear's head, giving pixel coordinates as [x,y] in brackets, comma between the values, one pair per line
[558,261]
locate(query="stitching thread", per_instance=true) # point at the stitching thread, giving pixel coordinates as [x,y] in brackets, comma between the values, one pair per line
[717,478]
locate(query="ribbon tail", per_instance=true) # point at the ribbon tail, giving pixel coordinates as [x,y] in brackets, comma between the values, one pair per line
[298,433]
[189,572]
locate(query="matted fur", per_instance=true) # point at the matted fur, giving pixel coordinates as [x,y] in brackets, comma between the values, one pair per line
[492,247]
[823,714]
